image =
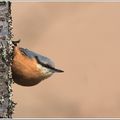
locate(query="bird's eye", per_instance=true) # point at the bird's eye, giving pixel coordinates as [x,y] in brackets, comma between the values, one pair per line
[47,66]
[43,64]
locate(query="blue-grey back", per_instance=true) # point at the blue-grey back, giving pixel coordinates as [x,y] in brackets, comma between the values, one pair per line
[41,58]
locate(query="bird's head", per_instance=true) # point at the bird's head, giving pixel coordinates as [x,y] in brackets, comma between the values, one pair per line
[46,66]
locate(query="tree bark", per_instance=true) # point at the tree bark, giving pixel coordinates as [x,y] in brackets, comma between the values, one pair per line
[6,56]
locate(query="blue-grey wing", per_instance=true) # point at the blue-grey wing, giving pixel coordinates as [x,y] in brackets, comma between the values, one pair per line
[27,52]
[40,58]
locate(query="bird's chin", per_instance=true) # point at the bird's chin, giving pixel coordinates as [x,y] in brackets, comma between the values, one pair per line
[47,75]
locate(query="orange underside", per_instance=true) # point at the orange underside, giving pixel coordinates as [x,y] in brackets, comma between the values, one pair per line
[24,69]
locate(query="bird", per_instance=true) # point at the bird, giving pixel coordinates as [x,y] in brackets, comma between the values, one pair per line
[30,68]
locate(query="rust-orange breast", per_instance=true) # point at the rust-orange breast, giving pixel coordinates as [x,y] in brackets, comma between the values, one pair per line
[25,71]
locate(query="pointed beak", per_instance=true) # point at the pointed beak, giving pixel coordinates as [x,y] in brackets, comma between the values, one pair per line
[57,70]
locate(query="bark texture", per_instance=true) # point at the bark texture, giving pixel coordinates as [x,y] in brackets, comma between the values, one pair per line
[6,56]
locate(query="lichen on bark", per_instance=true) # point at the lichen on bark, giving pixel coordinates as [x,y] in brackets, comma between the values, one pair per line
[6,56]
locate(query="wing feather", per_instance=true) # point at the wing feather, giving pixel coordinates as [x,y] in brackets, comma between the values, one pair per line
[40,58]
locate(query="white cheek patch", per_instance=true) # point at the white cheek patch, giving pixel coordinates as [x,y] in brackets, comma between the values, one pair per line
[44,70]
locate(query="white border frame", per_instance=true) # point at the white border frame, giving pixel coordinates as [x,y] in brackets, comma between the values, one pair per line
[66,1]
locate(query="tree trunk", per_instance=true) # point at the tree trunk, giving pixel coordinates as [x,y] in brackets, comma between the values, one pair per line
[6,56]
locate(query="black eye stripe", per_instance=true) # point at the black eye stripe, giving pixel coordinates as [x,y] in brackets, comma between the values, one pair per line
[47,66]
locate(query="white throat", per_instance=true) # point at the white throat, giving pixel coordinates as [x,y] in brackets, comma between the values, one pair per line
[46,71]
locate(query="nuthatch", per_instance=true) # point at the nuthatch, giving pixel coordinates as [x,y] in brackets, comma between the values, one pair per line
[30,68]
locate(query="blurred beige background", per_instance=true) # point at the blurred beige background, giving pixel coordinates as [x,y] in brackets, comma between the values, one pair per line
[84,40]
